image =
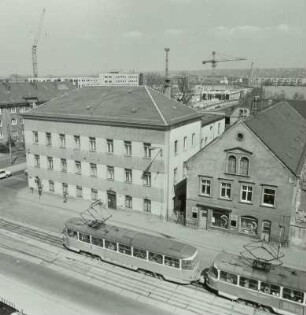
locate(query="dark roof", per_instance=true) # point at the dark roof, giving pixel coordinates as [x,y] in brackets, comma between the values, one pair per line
[143,241]
[279,275]
[208,118]
[117,105]
[18,93]
[299,105]
[283,130]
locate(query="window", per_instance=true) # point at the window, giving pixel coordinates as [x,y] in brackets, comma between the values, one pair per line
[248,283]
[72,233]
[175,146]
[175,176]
[13,110]
[225,190]
[268,198]
[124,249]
[156,258]
[244,166]
[205,187]
[77,142]
[248,225]
[188,264]
[0,123]
[147,205]
[78,167]
[228,277]
[172,262]
[110,172]
[93,169]
[231,164]
[92,144]
[14,122]
[84,237]
[185,143]
[35,137]
[97,241]
[128,175]
[50,163]
[62,140]
[111,245]
[219,125]
[65,188]
[268,288]
[246,193]
[220,219]
[147,151]
[51,185]
[147,178]
[110,146]
[63,165]
[128,148]
[293,295]
[94,194]
[36,160]
[79,191]
[128,202]
[48,138]
[193,139]
[213,272]
[185,170]
[139,253]
[21,121]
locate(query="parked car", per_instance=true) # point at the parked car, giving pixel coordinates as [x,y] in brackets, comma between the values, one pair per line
[4,173]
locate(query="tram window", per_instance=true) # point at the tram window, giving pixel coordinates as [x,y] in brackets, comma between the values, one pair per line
[84,238]
[124,249]
[228,277]
[111,245]
[172,262]
[188,264]
[155,258]
[139,253]
[72,233]
[248,283]
[293,295]
[270,288]
[213,272]
[97,241]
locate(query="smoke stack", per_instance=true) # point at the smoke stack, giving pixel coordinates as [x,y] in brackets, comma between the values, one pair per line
[167,89]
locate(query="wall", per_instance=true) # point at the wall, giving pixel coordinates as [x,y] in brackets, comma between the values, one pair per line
[211,131]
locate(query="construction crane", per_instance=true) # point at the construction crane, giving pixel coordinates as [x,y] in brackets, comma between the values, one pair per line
[215,61]
[35,43]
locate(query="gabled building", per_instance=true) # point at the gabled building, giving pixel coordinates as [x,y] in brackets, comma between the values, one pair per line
[250,179]
[124,145]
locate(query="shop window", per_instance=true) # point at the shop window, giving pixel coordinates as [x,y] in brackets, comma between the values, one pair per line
[228,277]
[248,283]
[248,225]
[220,219]
[194,212]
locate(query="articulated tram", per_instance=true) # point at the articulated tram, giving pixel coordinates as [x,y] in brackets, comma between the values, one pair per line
[173,261]
[279,288]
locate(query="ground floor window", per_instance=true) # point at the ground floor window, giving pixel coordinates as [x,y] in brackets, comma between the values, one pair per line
[51,185]
[248,225]
[147,205]
[220,219]
[94,194]
[79,191]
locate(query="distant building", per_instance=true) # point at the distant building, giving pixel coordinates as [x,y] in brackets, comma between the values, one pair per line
[17,98]
[252,179]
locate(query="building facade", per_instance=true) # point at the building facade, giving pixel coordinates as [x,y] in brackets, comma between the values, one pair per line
[126,146]
[248,180]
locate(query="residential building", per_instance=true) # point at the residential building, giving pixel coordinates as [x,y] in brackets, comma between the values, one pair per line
[250,179]
[17,98]
[116,144]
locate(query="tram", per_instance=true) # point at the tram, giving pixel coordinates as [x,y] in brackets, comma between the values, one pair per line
[278,288]
[165,258]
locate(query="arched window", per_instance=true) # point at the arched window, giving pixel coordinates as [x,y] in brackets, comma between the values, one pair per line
[231,164]
[244,166]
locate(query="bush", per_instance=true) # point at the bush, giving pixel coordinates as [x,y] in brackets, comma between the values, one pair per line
[4,148]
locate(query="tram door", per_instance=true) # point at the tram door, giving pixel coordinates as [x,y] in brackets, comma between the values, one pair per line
[111,200]
[265,231]
[202,218]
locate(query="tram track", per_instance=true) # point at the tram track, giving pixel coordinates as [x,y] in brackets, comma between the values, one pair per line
[189,297]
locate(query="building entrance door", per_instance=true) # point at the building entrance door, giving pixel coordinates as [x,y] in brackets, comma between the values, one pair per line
[265,231]
[202,219]
[111,200]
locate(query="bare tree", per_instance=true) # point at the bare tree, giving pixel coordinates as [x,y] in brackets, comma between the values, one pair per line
[185,88]
[155,81]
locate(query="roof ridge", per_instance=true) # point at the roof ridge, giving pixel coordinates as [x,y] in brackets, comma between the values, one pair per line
[158,110]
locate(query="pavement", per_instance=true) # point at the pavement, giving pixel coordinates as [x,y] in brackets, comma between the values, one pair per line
[17,168]
[206,240]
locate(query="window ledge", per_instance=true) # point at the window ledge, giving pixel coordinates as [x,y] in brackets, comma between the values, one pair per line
[246,202]
[267,206]
[239,175]
[206,196]
[224,198]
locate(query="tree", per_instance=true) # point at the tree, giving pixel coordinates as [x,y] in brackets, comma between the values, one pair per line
[155,81]
[185,88]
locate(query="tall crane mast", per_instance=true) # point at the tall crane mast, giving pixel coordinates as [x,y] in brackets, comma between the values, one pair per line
[35,43]
[215,61]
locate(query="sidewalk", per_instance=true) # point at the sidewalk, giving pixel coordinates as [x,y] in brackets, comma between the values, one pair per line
[16,168]
[207,240]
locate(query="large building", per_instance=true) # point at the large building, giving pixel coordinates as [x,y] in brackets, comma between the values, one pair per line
[251,180]
[124,145]
[17,98]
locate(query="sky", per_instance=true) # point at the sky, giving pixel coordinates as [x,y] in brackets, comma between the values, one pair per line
[88,37]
